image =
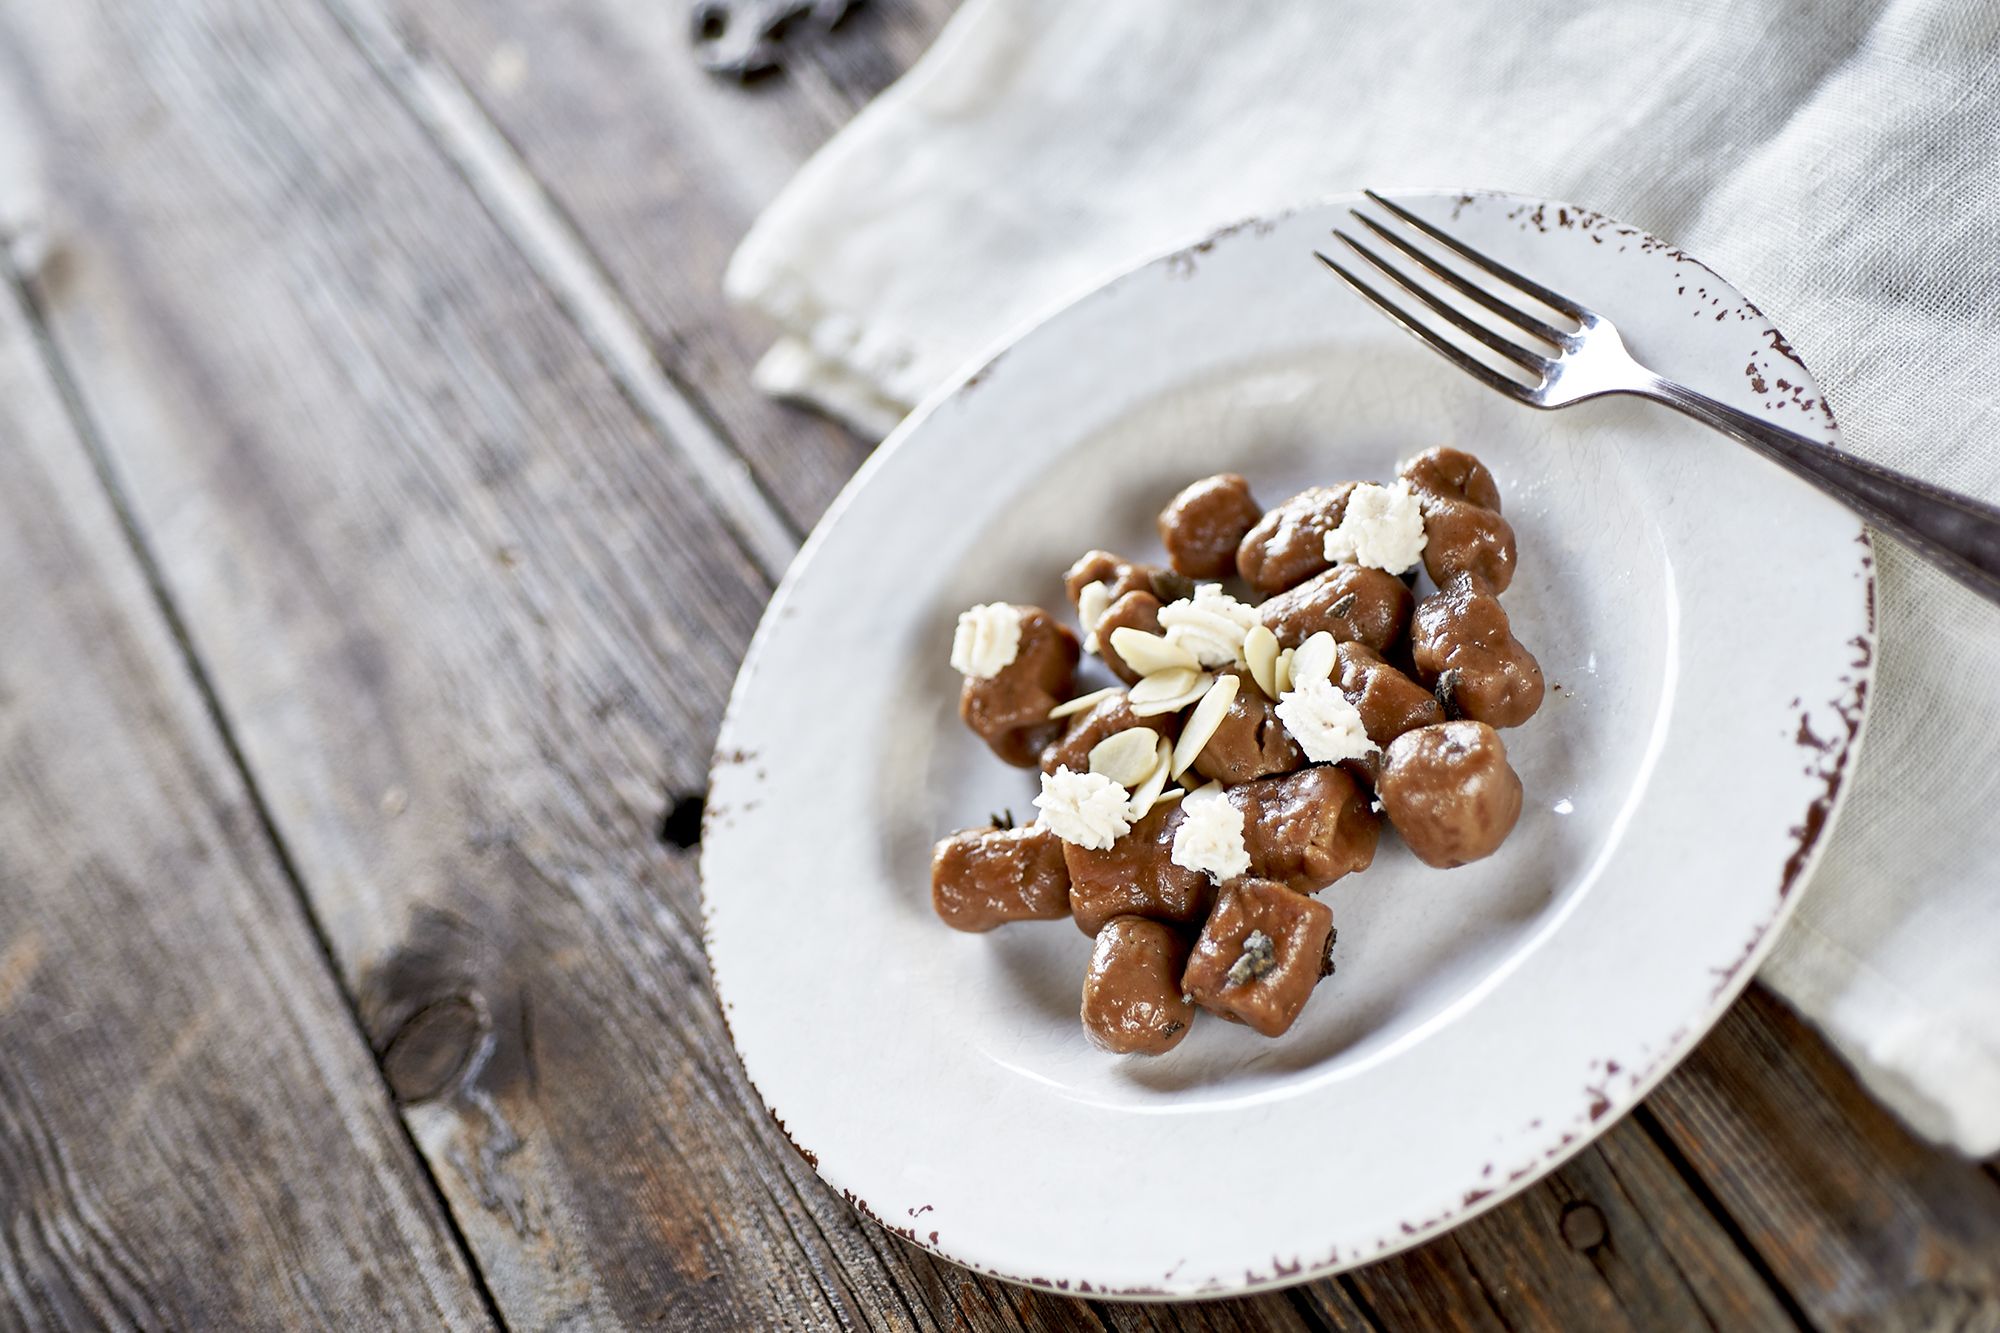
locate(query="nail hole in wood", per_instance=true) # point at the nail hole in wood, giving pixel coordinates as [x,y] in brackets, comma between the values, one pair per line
[1583,1226]
[680,826]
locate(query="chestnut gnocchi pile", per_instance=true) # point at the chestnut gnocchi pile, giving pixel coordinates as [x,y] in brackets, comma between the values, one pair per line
[1282,692]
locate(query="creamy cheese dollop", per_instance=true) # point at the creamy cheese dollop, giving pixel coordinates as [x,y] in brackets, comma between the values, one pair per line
[1326,726]
[1086,809]
[987,639]
[1211,625]
[1210,838]
[1383,526]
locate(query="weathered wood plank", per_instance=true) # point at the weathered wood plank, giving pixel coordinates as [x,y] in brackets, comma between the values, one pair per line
[586,105]
[178,1058]
[516,921]
[662,167]
[573,122]
[1865,1225]
[472,624]
[472,621]
[538,637]
[1614,1239]
[468,656]
[588,95]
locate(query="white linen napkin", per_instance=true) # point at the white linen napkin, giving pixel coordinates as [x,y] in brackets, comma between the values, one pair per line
[1840,162]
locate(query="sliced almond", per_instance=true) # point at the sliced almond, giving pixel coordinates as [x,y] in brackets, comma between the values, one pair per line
[1260,653]
[1148,792]
[1171,794]
[1281,673]
[1314,659]
[1203,722]
[1083,703]
[1164,684]
[1175,704]
[1168,691]
[1092,601]
[1126,757]
[1149,654]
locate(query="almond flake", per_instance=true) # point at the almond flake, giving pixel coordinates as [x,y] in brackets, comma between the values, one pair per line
[1260,652]
[1204,721]
[1149,654]
[1083,703]
[1126,757]
[1147,794]
[1092,601]
[1167,692]
[1314,659]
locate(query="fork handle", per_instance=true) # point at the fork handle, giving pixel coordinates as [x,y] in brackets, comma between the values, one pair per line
[1958,534]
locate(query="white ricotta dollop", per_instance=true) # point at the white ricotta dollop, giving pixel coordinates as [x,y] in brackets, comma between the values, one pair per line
[987,640]
[1211,625]
[1210,838]
[1326,726]
[1383,526]
[1087,809]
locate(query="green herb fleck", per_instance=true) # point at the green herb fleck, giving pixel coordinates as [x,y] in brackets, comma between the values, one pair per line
[1003,820]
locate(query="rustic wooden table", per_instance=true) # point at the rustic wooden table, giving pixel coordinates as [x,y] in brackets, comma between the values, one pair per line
[383,510]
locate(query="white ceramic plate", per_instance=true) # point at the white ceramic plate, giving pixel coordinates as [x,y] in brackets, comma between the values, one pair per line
[1705,625]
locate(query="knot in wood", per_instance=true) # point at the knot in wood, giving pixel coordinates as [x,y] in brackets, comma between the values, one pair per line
[748,37]
[427,1054]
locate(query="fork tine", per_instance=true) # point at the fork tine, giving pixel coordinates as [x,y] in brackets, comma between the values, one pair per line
[1552,300]
[1520,356]
[1513,314]
[1471,365]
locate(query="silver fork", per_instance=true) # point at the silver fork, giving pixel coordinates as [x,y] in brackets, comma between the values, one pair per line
[1957,533]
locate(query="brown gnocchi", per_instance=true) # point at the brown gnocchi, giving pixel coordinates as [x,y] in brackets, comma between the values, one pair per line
[1254,747]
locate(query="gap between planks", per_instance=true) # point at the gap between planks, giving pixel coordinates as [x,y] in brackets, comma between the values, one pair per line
[1663,1142]
[20,285]
[470,140]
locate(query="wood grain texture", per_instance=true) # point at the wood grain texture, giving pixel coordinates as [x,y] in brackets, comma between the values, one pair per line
[586,112]
[662,168]
[1866,1226]
[470,580]
[178,1059]
[470,622]
[1613,1240]
[468,660]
